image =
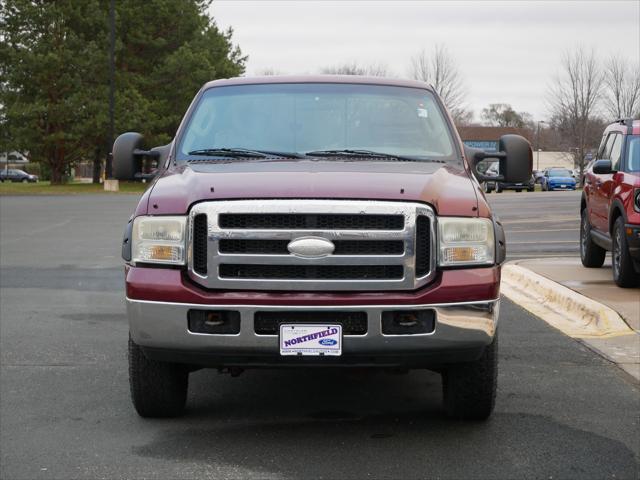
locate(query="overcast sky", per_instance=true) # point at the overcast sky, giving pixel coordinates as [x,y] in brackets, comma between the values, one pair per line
[507,51]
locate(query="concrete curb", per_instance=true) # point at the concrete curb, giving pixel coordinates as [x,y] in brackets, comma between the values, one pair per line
[570,312]
[597,326]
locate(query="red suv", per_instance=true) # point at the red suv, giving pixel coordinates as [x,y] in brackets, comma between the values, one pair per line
[610,205]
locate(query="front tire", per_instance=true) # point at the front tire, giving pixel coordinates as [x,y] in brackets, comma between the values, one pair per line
[24,180]
[469,389]
[498,189]
[623,272]
[158,389]
[591,255]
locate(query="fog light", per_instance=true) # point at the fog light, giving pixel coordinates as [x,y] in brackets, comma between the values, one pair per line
[214,322]
[408,322]
[406,319]
[214,319]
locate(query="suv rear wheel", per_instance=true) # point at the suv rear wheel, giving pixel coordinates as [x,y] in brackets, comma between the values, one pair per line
[592,255]
[158,389]
[623,272]
[469,389]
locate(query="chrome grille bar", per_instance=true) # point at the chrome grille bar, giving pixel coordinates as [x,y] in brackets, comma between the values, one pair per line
[408,281]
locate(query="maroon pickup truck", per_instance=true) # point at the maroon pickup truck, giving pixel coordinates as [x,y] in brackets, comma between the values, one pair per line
[315,221]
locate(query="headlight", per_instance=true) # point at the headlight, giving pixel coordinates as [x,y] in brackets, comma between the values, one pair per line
[465,241]
[636,199]
[158,240]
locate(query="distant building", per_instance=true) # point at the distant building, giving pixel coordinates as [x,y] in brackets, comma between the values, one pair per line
[486,138]
[13,157]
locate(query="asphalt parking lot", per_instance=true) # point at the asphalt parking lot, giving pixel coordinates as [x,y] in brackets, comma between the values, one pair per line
[562,411]
[539,224]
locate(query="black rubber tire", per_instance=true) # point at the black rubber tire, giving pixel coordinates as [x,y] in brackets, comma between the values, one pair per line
[469,389]
[158,389]
[624,274]
[498,189]
[24,180]
[487,188]
[591,255]
[531,189]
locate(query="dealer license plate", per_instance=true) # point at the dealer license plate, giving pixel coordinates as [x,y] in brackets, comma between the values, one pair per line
[299,339]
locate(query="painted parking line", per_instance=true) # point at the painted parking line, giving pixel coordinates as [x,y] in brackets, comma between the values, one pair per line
[543,242]
[544,230]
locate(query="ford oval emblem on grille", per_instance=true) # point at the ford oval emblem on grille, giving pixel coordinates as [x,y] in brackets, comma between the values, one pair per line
[311,247]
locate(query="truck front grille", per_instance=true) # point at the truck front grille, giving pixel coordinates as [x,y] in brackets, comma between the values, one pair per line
[200,243]
[423,246]
[245,244]
[280,221]
[342,247]
[268,323]
[312,272]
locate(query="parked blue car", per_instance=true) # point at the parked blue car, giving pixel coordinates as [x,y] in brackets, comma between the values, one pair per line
[557,179]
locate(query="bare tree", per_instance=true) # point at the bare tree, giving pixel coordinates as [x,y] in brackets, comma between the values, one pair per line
[268,72]
[439,69]
[622,88]
[574,97]
[354,68]
[503,115]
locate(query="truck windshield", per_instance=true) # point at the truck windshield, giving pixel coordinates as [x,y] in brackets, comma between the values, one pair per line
[307,117]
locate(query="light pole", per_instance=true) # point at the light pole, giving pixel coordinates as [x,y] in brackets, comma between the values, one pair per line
[112,80]
[538,145]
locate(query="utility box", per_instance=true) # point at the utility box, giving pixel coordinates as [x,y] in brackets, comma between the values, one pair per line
[111,185]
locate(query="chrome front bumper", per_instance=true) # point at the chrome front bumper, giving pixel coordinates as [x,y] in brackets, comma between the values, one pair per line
[468,326]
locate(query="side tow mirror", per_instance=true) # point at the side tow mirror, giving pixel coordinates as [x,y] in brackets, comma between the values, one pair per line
[515,158]
[602,167]
[127,155]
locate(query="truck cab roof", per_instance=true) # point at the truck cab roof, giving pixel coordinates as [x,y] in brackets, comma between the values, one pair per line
[352,79]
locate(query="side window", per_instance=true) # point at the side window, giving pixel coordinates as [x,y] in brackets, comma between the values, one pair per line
[600,153]
[633,154]
[606,154]
[614,154]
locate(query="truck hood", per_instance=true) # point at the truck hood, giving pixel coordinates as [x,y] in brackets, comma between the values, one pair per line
[447,188]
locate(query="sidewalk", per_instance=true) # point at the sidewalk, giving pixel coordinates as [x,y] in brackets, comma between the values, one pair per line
[584,303]
[595,283]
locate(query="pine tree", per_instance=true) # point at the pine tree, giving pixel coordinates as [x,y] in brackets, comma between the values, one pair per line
[54,71]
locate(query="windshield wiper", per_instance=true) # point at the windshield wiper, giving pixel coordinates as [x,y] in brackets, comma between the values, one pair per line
[243,153]
[366,154]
